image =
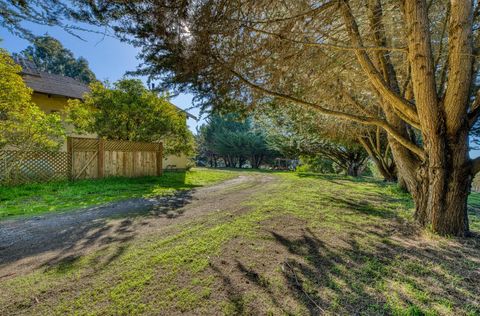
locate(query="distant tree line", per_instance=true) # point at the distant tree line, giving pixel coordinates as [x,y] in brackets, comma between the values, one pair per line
[229,141]
[226,140]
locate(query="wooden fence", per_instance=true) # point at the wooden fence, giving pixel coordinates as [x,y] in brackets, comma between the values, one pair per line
[86,158]
[18,167]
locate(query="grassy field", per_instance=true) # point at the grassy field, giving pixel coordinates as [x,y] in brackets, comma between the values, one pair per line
[314,245]
[35,199]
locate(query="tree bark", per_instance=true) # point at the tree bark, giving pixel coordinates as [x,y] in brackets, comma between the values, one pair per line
[444,176]
[379,158]
[439,181]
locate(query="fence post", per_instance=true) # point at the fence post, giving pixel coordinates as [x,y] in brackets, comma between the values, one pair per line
[101,157]
[159,156]
[70,157]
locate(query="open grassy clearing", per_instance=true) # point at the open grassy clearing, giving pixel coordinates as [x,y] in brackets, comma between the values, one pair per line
[35,199]
[313,245]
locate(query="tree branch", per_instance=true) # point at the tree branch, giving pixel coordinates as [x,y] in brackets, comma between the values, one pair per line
[475,166]
[327,45]
[395,100]
[474,110]
[440,52]
[321,8]
[459,65]
[359,119]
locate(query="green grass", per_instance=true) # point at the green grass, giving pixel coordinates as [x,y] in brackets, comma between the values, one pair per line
[350,245]
[35,199]
[474,210]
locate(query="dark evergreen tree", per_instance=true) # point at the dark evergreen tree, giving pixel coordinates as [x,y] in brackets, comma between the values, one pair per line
[233,141]
[49,55]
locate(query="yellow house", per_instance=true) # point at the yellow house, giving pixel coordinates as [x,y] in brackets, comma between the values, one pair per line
[51,93]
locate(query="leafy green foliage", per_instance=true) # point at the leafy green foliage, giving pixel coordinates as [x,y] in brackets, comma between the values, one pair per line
[325,145]
[129,111]
[316,164]
[234,141]
[48,54]
[23,125]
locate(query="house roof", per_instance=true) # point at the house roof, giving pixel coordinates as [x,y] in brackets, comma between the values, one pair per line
[44,82]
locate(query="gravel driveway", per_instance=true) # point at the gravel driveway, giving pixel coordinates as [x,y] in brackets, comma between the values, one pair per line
[26,244]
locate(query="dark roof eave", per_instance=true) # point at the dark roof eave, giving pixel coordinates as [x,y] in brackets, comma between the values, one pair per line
[58,95]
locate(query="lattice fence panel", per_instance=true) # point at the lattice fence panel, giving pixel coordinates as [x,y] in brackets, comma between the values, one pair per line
[18,167]
[84,144]
[125,146]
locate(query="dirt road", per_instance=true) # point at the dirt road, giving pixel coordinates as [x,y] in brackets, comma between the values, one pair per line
[26,244]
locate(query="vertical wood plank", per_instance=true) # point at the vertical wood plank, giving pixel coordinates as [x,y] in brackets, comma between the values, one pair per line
[70,158]
[101,158]
[124,165]
[159,159]
[134,163]
[108,164]
[121,156]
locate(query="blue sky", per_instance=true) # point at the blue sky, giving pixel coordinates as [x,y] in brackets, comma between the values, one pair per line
[108,57]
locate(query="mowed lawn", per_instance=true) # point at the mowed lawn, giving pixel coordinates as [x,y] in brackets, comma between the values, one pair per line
[314,244]
[36,199]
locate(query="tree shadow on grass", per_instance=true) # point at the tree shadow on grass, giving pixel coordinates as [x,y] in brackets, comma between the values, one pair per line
[70,234]
[362,207]
[340,179]
[314,266]
[234,294]
[357,274]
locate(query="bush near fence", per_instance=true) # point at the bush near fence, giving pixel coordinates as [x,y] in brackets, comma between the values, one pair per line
[86,158]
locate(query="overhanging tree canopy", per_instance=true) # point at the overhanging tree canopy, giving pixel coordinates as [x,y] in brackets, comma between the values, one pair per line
[418,60]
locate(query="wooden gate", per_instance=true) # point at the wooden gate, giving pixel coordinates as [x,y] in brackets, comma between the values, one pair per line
[98,158]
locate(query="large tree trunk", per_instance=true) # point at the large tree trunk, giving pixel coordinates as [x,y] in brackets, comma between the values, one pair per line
[439,180]
[402,185]
[441,194]
[445,172]
[388,172]
[353,169]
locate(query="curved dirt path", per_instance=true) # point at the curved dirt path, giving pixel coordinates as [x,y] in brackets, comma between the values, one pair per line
[26,244]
